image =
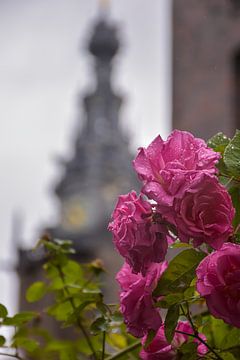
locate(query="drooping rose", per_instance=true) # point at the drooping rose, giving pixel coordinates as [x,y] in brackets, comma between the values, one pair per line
[136,300]
[218,281]
[160,349]
[137,237]
[204,213]
[164,166]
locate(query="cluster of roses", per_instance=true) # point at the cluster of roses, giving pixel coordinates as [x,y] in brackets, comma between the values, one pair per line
[180,192]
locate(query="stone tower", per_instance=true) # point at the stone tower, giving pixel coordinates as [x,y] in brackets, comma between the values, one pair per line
[206,66]
[101,166]
[98,172]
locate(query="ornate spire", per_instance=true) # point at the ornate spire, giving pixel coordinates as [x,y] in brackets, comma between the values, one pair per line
[99,169]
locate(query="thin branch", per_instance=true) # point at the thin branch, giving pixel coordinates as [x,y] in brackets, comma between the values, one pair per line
[80,325]
[202,341]
[16,356]
[195,331]
[103,344]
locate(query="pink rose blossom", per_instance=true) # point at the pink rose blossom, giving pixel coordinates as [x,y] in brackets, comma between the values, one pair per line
[219,282]
[164,165]
[204,213]
[136,300]
[138,238]
[160,349]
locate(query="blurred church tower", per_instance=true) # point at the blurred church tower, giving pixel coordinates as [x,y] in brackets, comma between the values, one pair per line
[206,66]
[98,172]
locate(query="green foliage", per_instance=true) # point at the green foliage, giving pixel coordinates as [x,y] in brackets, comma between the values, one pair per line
[188,351]
[232,155]
[235,195]
[36,291]
[171,321]
[3,311]
[179,273]
[219,142]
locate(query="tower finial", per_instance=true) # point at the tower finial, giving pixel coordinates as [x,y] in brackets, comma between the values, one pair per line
[104,6]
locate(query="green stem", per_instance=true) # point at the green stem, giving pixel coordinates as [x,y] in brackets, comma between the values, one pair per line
[103,344]
[130,348]
[80,325]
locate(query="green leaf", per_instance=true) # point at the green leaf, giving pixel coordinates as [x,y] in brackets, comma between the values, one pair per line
[188,351]
[180,245]
[231,340]
[170,300]
[171,321]
[117,340]
[36,291]
[2,340]
[99,325]
[227,356]
[235,195]
[150,336]
[232,155]
[61,311]
[3,311]
[180,272]
[20,319]
[27,344]
[218,142]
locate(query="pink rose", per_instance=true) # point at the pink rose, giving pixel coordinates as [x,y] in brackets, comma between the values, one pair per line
[204,213]
[164,165]
[137,237]
[160,349]
[219,282]
[136,300]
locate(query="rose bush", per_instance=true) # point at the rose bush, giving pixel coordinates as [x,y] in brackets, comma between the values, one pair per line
[195,203]
[186,308]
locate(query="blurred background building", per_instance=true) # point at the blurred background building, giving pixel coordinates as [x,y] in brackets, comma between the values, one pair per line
[206,66]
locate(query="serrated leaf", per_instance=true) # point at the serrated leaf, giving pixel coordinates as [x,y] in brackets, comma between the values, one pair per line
[171,321]
[218,142]
[36,291]
[231,155]
[180,272]
[3,311]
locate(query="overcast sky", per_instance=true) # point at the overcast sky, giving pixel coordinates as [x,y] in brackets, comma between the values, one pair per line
[44,67]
